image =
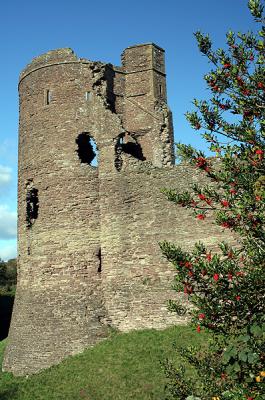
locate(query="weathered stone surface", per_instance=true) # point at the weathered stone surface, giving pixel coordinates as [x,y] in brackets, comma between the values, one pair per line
[88,236]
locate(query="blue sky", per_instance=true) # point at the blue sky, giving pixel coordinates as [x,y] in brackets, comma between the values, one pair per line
[100,30]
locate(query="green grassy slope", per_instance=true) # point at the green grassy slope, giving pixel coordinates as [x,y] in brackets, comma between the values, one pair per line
[126,366]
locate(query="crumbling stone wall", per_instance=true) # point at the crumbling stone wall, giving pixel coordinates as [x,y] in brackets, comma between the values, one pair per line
[88,235]
[135,216]
[58,307]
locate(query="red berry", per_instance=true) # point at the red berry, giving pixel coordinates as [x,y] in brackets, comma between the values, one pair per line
[209,256]
[230,254]
[216,277]
[229,276]
[201,161]
[225,203]
[246,92]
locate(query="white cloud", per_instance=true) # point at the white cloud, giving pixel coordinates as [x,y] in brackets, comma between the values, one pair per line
[8,223]
[8,250]
[5,175]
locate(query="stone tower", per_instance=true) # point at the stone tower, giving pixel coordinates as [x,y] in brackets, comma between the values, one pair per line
[88,234]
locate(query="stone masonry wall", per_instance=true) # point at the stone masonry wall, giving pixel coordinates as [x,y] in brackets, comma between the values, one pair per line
[88,235]
[58,307]
[135,217]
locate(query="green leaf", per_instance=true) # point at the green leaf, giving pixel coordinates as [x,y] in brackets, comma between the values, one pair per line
[242,356]
[256,330]
[245,338]
[236,367]
[226,358]
[253,358]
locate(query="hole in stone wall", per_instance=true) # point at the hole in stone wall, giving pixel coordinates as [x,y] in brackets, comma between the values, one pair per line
[134,149]
[32,206]
[87,149]
[99,261]
[128,145]
[88,96]
[118,151]
[6,307]
[48,97]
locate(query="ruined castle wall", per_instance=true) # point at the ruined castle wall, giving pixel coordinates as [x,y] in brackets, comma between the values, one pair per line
[88,236]
[136,216]
[146,114]
[118,89]
[58,309]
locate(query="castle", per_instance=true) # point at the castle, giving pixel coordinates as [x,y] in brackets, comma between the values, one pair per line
[88,234]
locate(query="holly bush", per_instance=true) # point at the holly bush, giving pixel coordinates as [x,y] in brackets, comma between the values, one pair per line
[227,288]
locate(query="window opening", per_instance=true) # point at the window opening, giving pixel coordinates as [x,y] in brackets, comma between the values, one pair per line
[6,312]
[48,97]
[160,90]
[131,147]
[118,151]
[32,206]
[87,149]
[134,149]
[99,261]
[88,96]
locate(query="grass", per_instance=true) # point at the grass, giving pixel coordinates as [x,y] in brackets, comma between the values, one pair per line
[126,366]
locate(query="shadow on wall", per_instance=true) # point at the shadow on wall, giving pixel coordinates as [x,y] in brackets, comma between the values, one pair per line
[6,307]
[129,145]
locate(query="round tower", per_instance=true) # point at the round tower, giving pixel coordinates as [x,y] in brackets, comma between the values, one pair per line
[64,112]
[88,234]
